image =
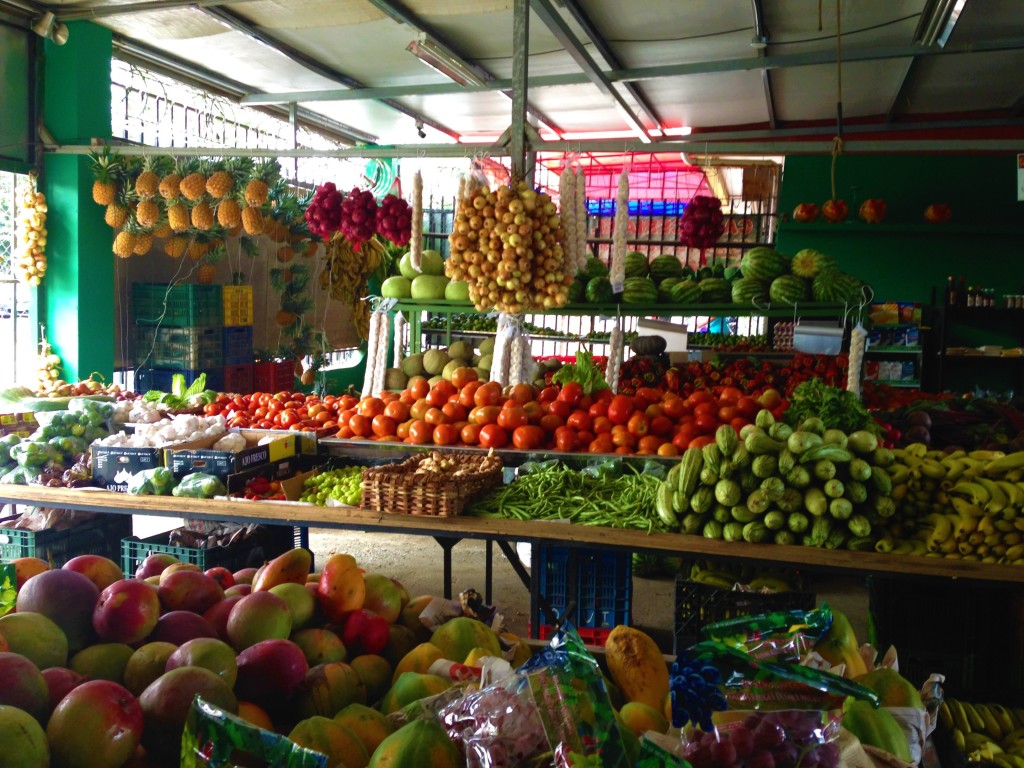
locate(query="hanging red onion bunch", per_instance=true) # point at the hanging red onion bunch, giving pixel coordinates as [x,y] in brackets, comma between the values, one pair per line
[394,220]
[703,222]
[324,212]
[358,216]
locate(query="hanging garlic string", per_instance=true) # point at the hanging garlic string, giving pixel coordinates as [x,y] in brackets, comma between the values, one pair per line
[416,238]
[858,340]
[580,186]
[567,204]
[401,327]
[618,265]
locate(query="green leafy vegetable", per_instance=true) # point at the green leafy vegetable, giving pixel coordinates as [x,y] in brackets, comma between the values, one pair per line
[181,396]
[837,408]
[584,372]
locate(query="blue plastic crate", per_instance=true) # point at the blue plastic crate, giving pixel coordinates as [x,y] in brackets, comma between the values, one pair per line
[238,345]
[160,378]
[600,583]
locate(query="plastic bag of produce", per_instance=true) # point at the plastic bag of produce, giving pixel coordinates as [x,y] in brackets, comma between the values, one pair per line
[32,453]
[776,636]
[6,443]
[69,445]
[96,411]
[158,481]
[733,707]
[216,739]
[556,704]
[200,485]
[8,588]
[18,476]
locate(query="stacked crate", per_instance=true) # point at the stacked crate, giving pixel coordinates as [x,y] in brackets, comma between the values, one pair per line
[176,329]
[238,345]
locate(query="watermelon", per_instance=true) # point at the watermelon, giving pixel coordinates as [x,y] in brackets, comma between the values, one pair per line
[763,263]
[703,273]
[577,291]
[599,291]
[732,273]
[595,268]
[718,269]
[809,263]
[749,291]
[715,290]
[665,289]
[835,287]
[688,273]
[639,290]
[685,292]
[665,266]
[636,264]
[789,289]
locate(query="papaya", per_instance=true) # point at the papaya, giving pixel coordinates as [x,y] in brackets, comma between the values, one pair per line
[418,659]
[840,646]
[875,727]
[331,738]
[640,718]
[419,744]
[291,567]
[637,666]
[368,724]
[458,636]
[892,688]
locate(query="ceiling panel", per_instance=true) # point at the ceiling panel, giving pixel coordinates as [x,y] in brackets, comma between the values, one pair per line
[977,81]
[177,24]
[809,93]
[793,24]
[466,113]
[704,101]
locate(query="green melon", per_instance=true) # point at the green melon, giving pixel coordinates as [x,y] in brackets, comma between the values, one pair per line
[763,263]
[789,289]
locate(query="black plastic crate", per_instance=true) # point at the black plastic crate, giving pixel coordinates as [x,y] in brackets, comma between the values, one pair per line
[160,378]
[100,536]
[699,604]
[599,582]
[266,543]
[186,305]
[238,345]
[179,348]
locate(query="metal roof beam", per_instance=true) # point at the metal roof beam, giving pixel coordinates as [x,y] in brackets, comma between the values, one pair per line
[399,13]
[760,42]
[556,24]
[78,13]
[595,37]
[239,24]
[150,58]
[748,63]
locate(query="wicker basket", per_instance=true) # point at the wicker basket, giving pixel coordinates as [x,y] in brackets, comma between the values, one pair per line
[397,489]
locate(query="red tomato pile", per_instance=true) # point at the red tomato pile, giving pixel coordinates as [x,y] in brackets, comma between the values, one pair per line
[467,411]
[281,410]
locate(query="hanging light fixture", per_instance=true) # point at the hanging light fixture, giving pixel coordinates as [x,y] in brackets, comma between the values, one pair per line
[48,28]
[937,22]
[441,59]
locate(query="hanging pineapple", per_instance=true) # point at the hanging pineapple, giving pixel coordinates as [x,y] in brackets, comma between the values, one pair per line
[125,242]
[193,183]
[147,183]
[177,215]
[221,183]
[170,183]
[30,257]
[117,211]
[202,215]
[147,213]
[207,271]
[257,188]
[48,365]
[106,169]
[143,243]
[176,246]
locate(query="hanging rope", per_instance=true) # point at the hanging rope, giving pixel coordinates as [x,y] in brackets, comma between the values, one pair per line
[837,140]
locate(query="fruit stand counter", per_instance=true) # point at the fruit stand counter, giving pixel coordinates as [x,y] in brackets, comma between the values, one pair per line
[506,531]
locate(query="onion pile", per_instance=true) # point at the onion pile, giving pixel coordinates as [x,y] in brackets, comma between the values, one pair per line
[703,222]
[507,245]
[358,216]
[324,212]
[394,220]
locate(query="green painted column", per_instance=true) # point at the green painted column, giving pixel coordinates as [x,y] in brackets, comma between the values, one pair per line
[77,303]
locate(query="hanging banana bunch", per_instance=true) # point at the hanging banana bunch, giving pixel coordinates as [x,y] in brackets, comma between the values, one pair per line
[30,257]
[345,272]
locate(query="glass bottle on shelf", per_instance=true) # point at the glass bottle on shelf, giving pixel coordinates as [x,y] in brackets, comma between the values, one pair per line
[972,296]
[950,291]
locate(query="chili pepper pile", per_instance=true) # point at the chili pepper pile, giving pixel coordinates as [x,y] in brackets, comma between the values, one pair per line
[262,489]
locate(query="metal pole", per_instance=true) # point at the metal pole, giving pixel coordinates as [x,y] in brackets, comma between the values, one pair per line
[520,73]
[293,121]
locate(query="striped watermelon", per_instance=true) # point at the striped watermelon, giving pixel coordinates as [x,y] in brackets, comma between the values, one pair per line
[665,266]
[809,263]
[685,292]
[639,290]
[665,289]
[835,287]
[764,263]
[789,289]
[715,290]
[749,291]
[636,264]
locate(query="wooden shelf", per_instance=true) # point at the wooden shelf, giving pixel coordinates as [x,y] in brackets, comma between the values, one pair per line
[853,226]
[292,513]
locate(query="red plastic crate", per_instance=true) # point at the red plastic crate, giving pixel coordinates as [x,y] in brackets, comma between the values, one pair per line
[589,635]
[273,377]
[238,379]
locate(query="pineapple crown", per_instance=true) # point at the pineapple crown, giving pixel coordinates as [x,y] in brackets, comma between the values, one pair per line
[106,167]
[216,255]
[239,167]
[267,170]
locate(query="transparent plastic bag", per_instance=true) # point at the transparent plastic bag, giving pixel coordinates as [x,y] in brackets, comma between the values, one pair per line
[776,636]
[200,485]
[158,481]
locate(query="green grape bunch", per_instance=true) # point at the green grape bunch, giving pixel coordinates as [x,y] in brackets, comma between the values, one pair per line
[343,485]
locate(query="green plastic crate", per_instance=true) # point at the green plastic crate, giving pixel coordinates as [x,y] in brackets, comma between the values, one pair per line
[186,305]
[178,348]
[100,536]
[267,543]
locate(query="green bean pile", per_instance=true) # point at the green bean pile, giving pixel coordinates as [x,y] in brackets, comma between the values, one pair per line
[559,493]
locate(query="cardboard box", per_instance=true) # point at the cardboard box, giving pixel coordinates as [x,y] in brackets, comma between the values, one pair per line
[275,470]
[306,443]
[20,424]
[200,457]
[112,465]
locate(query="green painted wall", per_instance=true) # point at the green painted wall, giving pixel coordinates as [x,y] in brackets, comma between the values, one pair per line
[904,259]
[77,306]
[15,46]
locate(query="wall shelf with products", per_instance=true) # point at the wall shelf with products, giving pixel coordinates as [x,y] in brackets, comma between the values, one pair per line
[895,352]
